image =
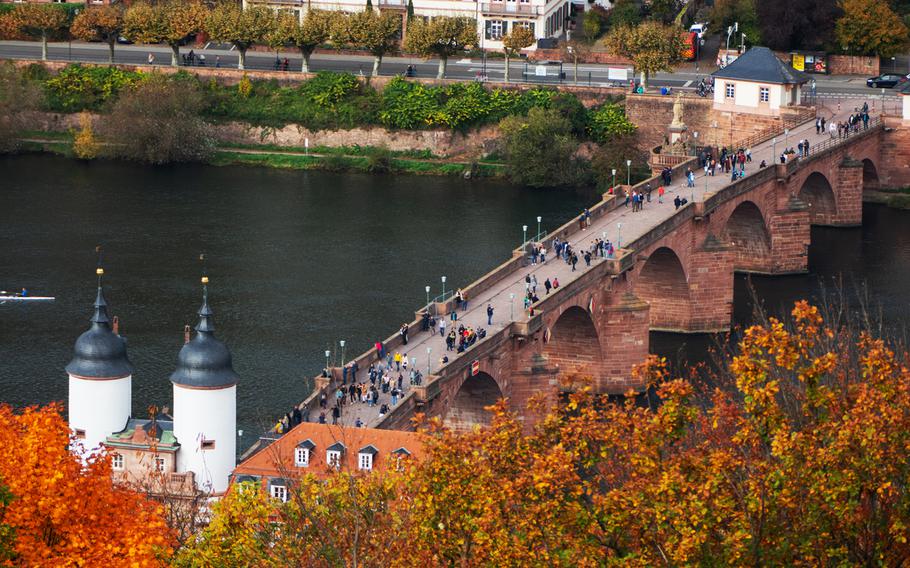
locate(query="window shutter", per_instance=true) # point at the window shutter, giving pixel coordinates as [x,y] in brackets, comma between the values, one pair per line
[488,29]
[531,27]
[505,27]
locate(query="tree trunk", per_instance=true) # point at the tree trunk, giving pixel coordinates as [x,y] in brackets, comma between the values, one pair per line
[644,81]
[305,54]
[43,46]
[377,61]
[441,73]
[241,58]
[175,55]
[507,67]
[110,45]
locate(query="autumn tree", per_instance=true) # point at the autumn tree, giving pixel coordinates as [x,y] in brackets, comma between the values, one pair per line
[40,21]
[100,23]
[170,22]
[65,512]
[158,121]
[17,96]
[787,25]
[518,38]
[575,50]
[441,37]
[377,33]
[306,36]
[540,149]
[870,27]
[230,23]
[650,45]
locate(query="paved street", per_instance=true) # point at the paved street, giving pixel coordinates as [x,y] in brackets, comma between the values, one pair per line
[634,225]
[684,77]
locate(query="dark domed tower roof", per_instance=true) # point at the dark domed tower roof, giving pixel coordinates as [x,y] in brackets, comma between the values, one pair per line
[204,362]
[100,353]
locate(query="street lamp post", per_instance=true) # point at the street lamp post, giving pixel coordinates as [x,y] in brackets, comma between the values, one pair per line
[327,353]
[618,235]
[524,238]
[614,180]
[539,219]
[429,351]
[786,138]
[443,288]
[427,289]
[512,306]
[714,126]
[628,172]
[774,150]
[342,351]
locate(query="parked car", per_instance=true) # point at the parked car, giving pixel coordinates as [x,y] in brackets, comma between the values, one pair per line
[886,80]
[699,28]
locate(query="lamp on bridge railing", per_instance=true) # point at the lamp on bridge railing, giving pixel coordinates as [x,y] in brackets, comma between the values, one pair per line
[427,289]
[614,179]
[628,172]
[327,353]
[774,150]
[512,306]
[524,237]
[786,138]
[539,219]
[443,288]
[714,126]
[429,351]
[618,235]
[342,351]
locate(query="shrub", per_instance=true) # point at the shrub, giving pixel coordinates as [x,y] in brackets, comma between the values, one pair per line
[85,146]
[17,95]
[540,150]
[158,121]
[608,121]
[77,88]
[379,160]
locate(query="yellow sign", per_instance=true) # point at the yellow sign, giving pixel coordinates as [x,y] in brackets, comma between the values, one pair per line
[799,62]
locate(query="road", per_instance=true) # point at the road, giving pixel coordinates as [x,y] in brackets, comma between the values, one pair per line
[466,69]
[619,226]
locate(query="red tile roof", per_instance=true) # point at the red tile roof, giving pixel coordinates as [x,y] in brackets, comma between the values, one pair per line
[277,459]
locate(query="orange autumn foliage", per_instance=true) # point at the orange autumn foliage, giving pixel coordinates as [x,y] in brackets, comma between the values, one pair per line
[799,455]
[68,513]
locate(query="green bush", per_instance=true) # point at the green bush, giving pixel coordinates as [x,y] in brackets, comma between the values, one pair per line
[76,88]
[540,150]
[608,121]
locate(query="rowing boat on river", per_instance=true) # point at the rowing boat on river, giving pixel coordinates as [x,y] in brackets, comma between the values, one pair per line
[27,298]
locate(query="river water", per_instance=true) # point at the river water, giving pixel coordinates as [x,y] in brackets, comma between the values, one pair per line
[299,261]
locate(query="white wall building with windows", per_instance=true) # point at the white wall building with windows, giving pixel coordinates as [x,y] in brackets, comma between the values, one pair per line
[495,18]
[757,82]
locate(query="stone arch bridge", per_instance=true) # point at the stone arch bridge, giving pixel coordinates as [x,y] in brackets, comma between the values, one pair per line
[673,271]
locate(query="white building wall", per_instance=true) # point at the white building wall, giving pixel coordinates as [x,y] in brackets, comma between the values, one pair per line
[206,415]
[747,94]
[99,408]
[906,107]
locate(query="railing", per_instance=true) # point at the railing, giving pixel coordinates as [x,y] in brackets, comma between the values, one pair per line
[517,8]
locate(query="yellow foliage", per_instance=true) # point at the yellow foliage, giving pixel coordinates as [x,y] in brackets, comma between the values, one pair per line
[85,145]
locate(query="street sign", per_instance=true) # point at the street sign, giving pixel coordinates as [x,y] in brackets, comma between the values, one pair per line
[475,367]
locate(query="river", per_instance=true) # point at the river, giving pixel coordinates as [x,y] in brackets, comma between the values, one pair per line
[299,261]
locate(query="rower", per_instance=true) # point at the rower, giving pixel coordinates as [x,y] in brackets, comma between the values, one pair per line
[24,293]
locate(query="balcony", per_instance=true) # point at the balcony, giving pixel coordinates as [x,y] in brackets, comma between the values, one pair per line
[510,9]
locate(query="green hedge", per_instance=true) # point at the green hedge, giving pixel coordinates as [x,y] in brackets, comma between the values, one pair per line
[331,101]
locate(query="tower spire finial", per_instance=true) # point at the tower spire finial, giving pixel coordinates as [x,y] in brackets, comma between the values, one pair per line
[100,315]
[205,313]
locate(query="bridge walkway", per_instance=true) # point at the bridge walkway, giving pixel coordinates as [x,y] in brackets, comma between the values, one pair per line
[506,310]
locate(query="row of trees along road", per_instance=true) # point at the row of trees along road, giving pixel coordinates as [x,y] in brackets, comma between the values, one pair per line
[172,22]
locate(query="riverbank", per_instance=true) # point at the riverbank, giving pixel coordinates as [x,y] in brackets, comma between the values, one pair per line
[356,159]
[896,199]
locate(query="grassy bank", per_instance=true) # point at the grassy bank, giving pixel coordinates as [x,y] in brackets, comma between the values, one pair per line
[896,198]
[365,159]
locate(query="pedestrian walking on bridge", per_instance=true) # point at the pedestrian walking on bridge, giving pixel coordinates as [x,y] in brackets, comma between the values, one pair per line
[489,314]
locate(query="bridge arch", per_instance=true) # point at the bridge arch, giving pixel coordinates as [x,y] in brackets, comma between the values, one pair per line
[662,283]
[818,194]
[573,343]
[747,231]
[870,175]
[468,405]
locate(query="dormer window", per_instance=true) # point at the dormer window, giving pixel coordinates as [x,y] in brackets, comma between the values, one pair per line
[333,455]
[365,457]
[400,455]
[303,452]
